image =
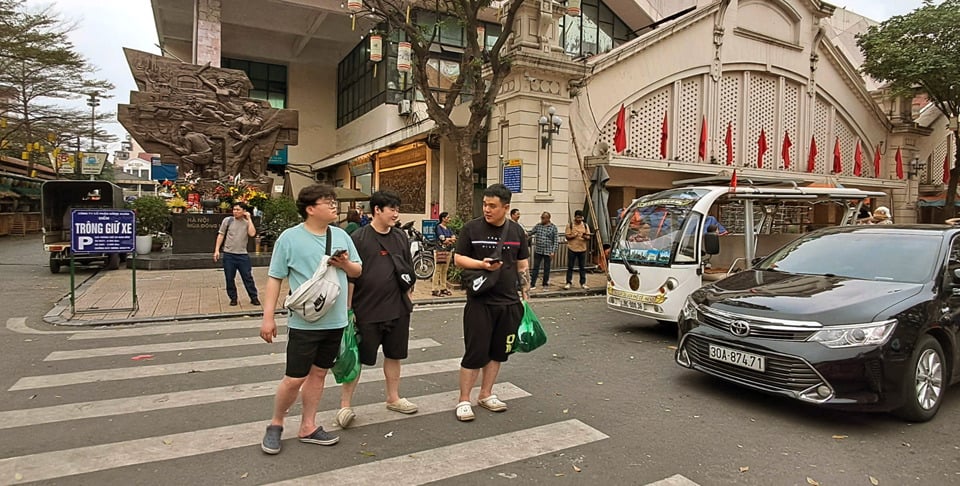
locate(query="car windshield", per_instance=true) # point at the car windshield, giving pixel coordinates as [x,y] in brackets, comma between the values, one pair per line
[888,256]
[652,227]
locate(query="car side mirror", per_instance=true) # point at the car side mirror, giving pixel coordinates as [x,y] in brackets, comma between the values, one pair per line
[956,275]
[711,243]
[755,261]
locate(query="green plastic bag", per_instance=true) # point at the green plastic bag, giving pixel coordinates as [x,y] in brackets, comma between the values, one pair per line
[347,366]
[531,335]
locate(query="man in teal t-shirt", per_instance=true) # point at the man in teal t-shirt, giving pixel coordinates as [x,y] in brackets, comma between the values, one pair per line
[312,347]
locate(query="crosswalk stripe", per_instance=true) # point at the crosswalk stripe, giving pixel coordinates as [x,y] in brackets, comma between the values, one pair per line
[188,345]
[129,373]
[56,464]
[151,330]
[675,480]
[449,461]
[148,371]
[162,401]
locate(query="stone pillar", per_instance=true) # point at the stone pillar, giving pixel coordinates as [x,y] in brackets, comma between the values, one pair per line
[539,78]
[206,32]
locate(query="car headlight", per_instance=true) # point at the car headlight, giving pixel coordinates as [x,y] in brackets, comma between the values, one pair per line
[689,310]
[870,334]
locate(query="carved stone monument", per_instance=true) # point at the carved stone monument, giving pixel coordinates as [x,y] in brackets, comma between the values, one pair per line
[202,119]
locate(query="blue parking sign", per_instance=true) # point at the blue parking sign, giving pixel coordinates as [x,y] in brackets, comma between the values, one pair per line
[102,230]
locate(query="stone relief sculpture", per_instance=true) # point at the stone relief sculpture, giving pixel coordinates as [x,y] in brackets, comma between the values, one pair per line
[202,118]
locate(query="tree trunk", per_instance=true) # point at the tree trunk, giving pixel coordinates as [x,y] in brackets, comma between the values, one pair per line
[949,207]
[464,178]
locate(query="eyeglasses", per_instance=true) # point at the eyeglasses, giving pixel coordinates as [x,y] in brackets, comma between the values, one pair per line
[332,203]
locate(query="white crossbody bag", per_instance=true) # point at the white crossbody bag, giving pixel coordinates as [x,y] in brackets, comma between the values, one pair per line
[315,297]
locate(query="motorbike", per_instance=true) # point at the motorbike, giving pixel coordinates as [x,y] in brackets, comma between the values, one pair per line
[422,251]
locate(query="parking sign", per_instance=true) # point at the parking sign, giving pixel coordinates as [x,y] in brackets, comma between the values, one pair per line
[102,230]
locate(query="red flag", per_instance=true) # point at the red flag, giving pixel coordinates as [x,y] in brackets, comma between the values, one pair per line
[733,181]
[663,138]
[899,164]
[620,137]
[729,141]
[812,158]
[785,150]
[876,162]
[858,160]
[946,166]
[761,148]
[837,165]
[703,139]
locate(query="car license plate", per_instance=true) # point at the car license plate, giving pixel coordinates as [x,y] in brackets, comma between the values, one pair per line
[739,358]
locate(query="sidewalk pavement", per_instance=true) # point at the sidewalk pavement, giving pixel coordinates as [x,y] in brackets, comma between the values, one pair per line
[175,295]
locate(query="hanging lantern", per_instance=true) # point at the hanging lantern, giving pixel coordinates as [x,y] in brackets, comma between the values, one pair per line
[573,8]
[481,36]
[376,48]
[356,5]
[404,57]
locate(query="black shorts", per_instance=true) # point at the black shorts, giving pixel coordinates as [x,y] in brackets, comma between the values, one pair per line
[489,332]
[307,348]
[393,335]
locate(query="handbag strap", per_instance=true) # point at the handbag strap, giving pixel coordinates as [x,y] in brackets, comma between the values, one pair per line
[497,253]
[322,267]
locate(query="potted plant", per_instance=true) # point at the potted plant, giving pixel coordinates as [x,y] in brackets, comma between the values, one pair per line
[152,218]
[177,204]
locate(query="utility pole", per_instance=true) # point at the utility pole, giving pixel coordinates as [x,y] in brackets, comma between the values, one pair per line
[93,102]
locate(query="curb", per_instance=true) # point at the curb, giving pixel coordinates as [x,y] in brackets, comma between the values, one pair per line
[55,315]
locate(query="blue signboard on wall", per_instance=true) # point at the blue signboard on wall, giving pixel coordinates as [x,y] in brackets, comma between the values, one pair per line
[513,175]
[102,231]
[279,157]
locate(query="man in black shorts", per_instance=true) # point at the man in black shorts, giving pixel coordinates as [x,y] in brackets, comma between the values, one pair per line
[381,303]
[491,320]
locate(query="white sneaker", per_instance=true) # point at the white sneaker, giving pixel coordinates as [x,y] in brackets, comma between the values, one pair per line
[566,287]
[533,287]
[584,287]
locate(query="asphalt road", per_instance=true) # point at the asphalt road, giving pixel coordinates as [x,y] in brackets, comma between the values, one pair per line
[602,402]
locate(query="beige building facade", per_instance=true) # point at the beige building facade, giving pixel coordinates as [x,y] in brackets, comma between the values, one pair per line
[706,69]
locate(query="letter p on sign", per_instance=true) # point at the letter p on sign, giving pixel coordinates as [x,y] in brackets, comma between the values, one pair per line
[83,242]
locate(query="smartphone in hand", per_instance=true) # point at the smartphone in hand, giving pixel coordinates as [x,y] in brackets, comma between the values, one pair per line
[339,253]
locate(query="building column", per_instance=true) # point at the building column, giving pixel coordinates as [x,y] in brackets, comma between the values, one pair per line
[206,32]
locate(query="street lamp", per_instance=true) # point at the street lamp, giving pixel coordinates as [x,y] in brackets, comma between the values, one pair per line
[913,168]
[549,125]
[93,102]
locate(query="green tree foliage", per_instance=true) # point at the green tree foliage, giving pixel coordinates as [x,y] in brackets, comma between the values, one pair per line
[39,70]
[919,50]
[480,72]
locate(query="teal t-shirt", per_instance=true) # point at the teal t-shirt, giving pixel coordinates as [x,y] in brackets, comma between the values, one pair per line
[296,255]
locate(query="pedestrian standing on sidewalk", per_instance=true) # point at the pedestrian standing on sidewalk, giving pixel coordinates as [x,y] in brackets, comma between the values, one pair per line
[491,319]
[445,243]
[312,347]
[380,298]
[235,231]
[544,248]
[578,235]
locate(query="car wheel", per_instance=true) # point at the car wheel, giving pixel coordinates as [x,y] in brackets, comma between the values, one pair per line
[113,261]
[54,266]
[923,382]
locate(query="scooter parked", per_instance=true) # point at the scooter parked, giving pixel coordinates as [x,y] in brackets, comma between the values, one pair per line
[422,251]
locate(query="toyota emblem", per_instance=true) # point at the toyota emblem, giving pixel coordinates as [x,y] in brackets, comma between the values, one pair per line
[740,328]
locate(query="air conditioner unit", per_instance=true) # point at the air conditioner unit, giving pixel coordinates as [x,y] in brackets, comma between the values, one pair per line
[321,176]
[404,108]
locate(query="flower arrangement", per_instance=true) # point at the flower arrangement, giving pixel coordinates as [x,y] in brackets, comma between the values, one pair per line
[227,192]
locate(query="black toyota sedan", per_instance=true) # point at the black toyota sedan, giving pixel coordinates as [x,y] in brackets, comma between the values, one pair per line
[856,317]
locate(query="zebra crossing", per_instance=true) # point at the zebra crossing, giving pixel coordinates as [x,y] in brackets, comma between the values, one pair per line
[80,370]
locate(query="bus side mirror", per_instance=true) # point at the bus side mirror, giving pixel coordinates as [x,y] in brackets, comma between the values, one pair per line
[711,243]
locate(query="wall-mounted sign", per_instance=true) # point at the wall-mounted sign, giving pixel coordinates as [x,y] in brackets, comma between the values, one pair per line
[513,175]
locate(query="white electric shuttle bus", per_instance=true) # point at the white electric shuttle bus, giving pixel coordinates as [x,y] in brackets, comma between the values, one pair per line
[669,244]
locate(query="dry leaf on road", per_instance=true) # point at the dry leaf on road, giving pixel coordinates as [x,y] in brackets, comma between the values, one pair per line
[575,468]
[874,481]
[812,482]
[744,469]
[838,437]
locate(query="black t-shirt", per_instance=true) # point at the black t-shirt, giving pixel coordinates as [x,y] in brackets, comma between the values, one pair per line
[478,240]
[376,294]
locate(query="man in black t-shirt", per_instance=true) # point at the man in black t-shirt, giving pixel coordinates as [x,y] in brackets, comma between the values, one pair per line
[382,308]
[491,320]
